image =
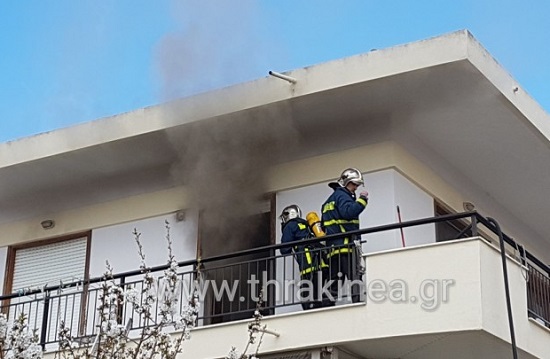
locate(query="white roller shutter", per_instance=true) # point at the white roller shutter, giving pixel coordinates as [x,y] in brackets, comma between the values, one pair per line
[50,265]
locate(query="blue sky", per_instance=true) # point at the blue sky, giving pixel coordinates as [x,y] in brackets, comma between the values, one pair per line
[64,62]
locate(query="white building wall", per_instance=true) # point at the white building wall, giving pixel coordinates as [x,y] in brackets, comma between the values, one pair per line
[380,211]
[484,204]
[414,203]
[387,189]
[3,258]
[117,243]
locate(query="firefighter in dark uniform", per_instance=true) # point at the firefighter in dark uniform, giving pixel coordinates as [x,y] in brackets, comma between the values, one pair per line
[340,214]
[308,257]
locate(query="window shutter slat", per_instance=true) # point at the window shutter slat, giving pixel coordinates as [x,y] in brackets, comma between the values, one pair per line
[50,264]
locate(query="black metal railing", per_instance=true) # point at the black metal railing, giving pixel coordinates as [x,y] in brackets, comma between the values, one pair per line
[230,284]
[538,295]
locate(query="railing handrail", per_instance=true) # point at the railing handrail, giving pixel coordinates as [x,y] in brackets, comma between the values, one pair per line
[523,252]
[387,227]
[382,228]
[393,226]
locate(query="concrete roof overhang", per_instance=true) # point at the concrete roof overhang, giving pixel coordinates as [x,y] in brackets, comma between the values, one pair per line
[446,94]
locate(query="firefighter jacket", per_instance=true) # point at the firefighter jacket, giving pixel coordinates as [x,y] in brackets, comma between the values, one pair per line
[340,214]
[308,256]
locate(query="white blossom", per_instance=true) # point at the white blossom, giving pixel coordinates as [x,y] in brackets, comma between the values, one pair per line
[18,342]
[131,295]
[3,327]
[153,340]
[233,354]
[112,329]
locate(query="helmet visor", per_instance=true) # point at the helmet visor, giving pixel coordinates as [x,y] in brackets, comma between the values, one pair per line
[289,213]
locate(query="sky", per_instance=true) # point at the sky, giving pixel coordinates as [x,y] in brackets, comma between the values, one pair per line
[65,62]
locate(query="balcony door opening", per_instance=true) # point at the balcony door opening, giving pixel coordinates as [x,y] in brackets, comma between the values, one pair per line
[230,294]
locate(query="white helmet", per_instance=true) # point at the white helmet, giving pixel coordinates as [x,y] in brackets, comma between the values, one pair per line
[290,212]
[351,175]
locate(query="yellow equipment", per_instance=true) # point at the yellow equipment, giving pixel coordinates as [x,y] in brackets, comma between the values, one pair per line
[315,224]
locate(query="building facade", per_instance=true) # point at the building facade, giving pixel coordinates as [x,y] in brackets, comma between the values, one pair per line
[437,128]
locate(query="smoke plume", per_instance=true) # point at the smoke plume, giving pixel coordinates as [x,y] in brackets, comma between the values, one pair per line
[223,162]
[216,43]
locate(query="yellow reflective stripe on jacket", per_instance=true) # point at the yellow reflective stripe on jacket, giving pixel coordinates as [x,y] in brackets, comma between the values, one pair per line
[307,253]
[332,222]
[343,230]
[339,222]
[302,226]
[308,256]
[314,269]
[330,206]
[338,251]
[309,260]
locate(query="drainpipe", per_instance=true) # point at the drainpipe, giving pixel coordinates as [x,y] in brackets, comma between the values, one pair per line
[506,286]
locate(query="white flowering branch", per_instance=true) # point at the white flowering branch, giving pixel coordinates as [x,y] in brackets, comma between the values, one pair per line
[154,339]
[254,328]
[18,341]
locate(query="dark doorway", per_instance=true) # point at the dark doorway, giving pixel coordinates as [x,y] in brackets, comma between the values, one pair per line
[230,296]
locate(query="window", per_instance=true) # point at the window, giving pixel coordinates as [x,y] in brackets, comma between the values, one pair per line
[48,263]
[449,230]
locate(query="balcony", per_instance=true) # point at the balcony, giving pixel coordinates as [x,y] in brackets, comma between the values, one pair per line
[445,299]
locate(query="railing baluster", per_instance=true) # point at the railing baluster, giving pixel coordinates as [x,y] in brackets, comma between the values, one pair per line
[45,320]
[474,225]
[120,307]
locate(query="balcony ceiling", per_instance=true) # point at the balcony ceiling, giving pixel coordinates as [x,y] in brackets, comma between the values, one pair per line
[453,106]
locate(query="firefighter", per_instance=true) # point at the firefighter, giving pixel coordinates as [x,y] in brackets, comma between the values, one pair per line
[308,257]
[340,214]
